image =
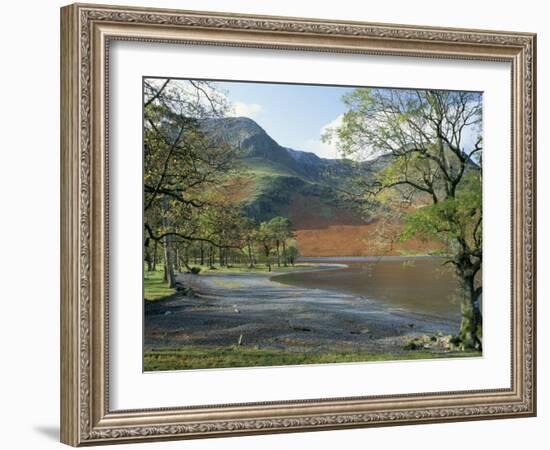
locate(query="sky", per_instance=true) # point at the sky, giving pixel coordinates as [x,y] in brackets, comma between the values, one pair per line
[294,115]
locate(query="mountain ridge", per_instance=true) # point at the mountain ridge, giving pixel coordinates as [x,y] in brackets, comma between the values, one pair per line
[279,173]
[254,143]
[282,181]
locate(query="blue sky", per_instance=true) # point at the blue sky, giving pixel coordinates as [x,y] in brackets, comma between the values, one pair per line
[296,115]
[293,115]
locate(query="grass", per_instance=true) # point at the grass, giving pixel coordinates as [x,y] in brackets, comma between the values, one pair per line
[259,167]
[224,357]
[228,284]
[154,287]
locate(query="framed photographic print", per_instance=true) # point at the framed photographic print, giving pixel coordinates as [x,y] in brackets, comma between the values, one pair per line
[279,224]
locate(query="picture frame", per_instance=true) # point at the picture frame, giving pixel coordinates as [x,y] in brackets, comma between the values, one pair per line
[87,32]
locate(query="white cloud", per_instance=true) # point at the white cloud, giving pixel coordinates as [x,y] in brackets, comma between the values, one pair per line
[193,98]
[325,149]
[336,123]
[321,149]
[251,110]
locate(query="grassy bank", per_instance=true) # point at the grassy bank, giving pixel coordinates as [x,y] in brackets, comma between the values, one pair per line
[209,358]
[154,287]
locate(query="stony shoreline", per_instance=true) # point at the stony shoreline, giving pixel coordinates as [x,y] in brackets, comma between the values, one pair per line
[252,310]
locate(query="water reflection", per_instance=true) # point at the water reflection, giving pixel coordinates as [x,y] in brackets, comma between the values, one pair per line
[419,285]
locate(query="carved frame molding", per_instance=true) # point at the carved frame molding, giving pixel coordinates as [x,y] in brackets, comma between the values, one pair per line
[86,33]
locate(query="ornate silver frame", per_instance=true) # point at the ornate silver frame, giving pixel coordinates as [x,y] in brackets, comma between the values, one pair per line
[86,31]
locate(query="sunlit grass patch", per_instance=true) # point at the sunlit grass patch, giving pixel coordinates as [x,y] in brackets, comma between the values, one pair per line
[154,287]
[227,284]
[226,357]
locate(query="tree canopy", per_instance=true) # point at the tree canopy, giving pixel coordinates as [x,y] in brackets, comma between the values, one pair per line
[187,168]
[433,143]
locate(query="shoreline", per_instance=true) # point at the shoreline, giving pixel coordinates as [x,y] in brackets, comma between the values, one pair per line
[368,258]
[252,309]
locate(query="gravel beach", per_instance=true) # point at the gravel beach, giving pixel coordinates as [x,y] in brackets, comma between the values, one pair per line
[253,310]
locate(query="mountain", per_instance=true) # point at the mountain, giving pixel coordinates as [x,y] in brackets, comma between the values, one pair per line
[281,175]
[301,186]
[260,150]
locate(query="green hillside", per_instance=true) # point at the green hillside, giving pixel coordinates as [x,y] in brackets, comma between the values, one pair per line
[281,175]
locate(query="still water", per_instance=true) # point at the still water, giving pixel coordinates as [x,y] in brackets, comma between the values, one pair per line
[422,285]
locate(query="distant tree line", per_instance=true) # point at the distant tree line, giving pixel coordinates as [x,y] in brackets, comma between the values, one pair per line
[270,243]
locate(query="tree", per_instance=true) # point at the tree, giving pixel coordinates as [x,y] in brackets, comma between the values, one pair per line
[249,235]
[182,161]
[266,238]
[433,144]
[292,251]
[221,222]
[281,229]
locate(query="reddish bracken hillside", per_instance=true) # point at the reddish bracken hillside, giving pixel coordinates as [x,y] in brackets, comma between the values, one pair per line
[354,240]
[324,230]
[278,181]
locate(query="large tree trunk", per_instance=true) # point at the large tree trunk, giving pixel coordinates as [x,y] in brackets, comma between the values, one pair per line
[168,249]
[285,262]
[177,259]
[268,262]
[155,257]
[250,258]
[168,263]
[148,259]
[470,327]
[278,254]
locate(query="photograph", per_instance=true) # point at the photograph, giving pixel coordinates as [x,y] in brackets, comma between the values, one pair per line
[291,224]
[286,221]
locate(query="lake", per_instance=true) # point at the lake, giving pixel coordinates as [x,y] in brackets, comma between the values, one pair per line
[419,284]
